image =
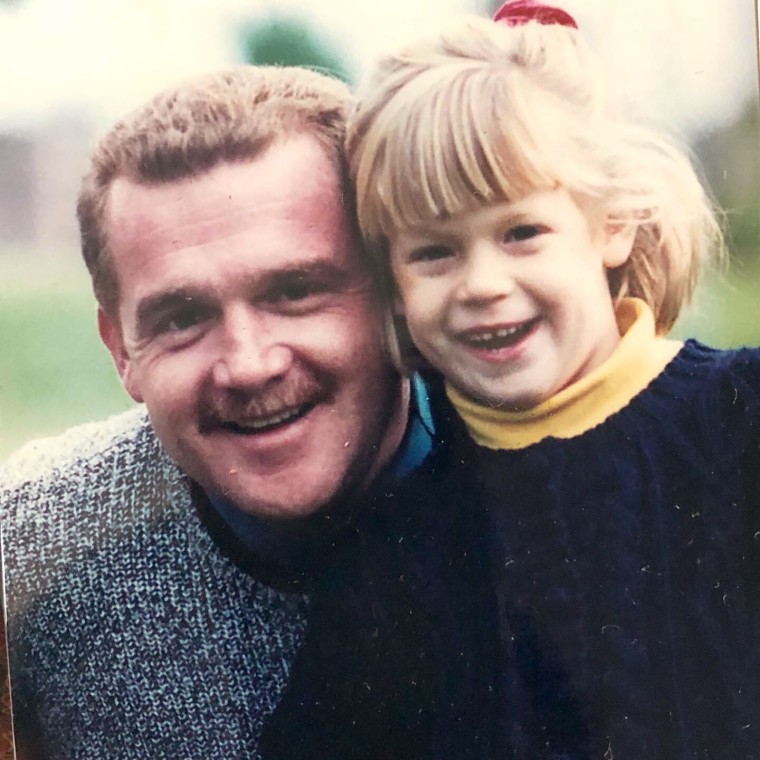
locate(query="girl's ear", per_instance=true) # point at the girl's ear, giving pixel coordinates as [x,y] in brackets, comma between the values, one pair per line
[617,243]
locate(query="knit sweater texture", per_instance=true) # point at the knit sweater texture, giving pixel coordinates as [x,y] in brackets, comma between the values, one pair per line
[586,598]
[131,634]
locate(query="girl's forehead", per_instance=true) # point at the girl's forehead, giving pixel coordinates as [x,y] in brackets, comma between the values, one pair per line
[542,205]
[421,168]
[472,207]
[437,177]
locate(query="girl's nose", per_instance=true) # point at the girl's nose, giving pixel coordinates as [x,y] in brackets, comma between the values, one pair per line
[487,274]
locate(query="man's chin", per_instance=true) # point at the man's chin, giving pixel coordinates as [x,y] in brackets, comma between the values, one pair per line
[296,500]
[280,498]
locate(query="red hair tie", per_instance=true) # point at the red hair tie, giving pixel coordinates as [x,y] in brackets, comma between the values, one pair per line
[516,12]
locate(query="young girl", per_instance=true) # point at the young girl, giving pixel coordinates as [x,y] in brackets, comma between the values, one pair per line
[574,572]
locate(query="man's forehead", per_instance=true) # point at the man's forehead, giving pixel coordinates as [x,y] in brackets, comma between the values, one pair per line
[291,183]
[165,214]
[300,151]
[232,227]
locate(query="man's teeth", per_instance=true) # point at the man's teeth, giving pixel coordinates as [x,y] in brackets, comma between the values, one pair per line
[265,422]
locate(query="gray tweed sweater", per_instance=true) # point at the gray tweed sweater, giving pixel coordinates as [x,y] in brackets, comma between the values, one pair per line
[131,635]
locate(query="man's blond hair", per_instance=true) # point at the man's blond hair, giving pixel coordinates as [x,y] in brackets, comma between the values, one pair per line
[225,116]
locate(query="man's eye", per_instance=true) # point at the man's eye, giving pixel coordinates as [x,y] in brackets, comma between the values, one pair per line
[296,289]
[522,232]
[181,319]
[430,253]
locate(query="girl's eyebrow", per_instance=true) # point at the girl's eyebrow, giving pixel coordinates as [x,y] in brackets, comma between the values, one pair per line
[450,230]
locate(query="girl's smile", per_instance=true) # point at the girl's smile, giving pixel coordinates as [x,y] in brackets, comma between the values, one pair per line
[491,340]
[511,301]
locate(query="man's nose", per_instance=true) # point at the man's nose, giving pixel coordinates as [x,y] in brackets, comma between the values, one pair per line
[486,275]
[249,354]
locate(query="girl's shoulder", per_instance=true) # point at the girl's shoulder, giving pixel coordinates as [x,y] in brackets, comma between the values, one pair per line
[700,365]
[723,357]
[715,392]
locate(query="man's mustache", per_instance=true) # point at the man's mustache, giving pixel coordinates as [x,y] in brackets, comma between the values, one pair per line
[237,406]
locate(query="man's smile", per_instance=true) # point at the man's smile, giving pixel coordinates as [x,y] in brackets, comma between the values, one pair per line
[269,422]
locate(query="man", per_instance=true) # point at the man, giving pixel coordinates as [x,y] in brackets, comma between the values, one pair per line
[158,566]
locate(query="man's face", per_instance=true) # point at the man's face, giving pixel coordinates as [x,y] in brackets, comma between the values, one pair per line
[247,327]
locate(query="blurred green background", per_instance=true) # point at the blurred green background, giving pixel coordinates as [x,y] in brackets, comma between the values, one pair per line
[55,373]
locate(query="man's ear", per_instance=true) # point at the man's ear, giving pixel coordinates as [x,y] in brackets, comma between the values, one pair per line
[110,333]
[617,242]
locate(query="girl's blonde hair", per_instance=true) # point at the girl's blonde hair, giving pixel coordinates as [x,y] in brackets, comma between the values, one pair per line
[488,113]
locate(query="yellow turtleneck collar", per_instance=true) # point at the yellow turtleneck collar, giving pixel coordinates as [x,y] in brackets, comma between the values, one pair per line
[639,357]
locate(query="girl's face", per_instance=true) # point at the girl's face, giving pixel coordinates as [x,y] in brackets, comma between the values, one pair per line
[511,302]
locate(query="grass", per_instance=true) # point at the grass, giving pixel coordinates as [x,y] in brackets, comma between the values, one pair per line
[726,310]
[55,373]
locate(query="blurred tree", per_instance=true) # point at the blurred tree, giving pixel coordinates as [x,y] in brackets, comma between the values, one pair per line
[731,162]
[291,41]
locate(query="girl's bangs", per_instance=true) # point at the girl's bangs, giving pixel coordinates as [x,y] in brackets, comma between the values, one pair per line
[455,147]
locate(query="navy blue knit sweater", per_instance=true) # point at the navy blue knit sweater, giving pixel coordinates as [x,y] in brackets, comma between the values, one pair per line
[594,597]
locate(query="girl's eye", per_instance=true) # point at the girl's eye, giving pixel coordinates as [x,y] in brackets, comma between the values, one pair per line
[522,232]
[430,253]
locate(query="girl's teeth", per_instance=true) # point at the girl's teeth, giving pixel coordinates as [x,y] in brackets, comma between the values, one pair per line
[503,333]
[503,337]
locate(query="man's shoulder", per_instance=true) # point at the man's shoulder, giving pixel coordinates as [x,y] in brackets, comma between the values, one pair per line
[92,491]
[84,452]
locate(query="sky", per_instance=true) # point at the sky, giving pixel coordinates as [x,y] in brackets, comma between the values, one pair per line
[687,63]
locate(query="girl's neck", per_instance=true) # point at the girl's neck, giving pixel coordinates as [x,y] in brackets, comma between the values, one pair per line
[640,356]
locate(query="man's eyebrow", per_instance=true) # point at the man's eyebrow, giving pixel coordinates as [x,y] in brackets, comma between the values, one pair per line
[156,305]
[338,276]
